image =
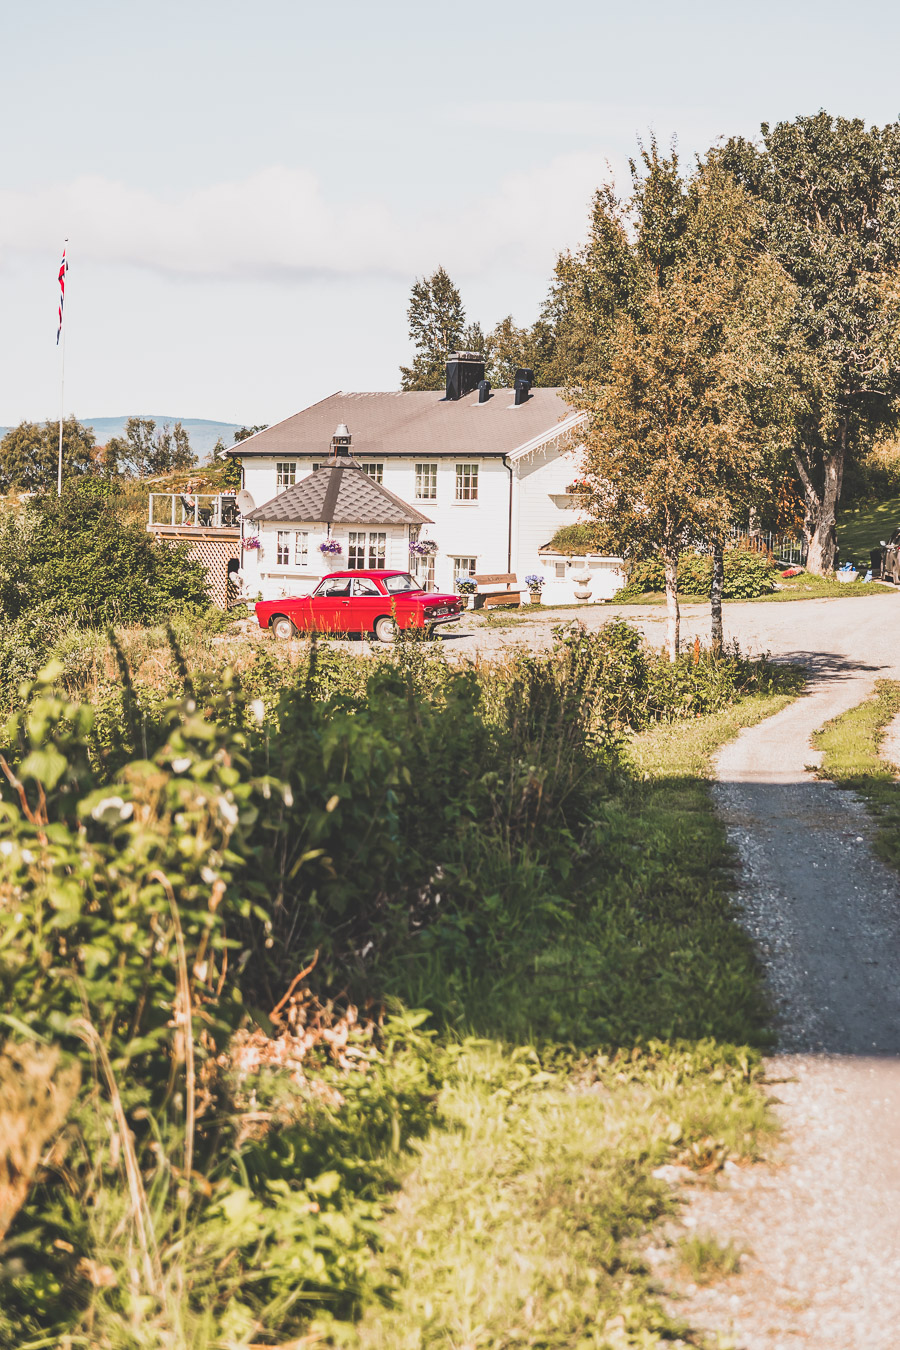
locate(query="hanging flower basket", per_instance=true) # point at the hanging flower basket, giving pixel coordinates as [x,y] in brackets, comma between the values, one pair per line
[579,485]
[423,548]
[252,543]
[331,548]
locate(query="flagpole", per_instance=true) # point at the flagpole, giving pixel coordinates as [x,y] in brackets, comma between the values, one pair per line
[62,391]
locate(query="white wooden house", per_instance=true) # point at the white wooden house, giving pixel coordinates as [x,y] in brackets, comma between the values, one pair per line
[484,475]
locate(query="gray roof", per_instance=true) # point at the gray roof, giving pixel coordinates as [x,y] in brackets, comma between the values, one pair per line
[413,423]
[339,494]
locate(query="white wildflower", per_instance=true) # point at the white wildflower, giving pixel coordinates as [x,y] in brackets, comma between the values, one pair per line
[228,811]
[6,848]
[179,765]
[113,805]
[27,855]
[258,709]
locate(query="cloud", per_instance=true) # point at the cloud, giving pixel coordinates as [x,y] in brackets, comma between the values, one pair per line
[279,223]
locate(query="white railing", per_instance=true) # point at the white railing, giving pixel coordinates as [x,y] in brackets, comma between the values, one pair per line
[193,508]
[784,547]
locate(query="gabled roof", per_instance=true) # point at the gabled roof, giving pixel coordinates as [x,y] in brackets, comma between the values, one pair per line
[417,423]
[338,494]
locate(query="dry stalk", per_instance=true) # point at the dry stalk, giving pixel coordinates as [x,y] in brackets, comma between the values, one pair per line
[139,1205]
[184,996]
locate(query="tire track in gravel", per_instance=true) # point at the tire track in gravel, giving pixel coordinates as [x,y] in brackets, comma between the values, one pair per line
[822,1223]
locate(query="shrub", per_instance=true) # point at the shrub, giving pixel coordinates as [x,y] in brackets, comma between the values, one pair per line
[75,558]
[748,574]
[576,539]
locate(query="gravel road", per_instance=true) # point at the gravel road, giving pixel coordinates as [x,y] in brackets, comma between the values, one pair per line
[822,1225]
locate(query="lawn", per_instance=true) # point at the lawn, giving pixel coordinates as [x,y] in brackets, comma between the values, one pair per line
[861,528]
[850,745]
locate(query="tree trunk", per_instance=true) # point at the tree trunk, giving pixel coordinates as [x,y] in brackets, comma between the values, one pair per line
[673,614]
[715,595]
[819,527]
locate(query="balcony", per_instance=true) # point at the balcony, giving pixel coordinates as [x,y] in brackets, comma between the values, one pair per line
[193,513]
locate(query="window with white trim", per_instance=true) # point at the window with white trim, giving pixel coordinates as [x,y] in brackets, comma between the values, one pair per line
[375,471]
[283,548]
[301,548]
[426,482]
[467,482]
[464,567]
[366,550]
[286,475]
[423,570]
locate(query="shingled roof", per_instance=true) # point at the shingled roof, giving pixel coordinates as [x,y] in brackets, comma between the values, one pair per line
[339,494]
[415,423]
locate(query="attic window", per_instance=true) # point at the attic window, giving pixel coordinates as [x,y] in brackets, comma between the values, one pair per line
[286,475]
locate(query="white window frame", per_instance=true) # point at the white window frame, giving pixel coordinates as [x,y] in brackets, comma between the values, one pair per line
[285,474]
[423,569]
[366,550]
[283,548]
[464,567]
[374,469]
[301,548]
[426,481]
[467,482]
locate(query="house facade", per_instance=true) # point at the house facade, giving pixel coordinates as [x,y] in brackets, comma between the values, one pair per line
[478,479]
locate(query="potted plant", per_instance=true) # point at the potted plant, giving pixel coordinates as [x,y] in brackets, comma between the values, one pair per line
[535,584]
[466,587]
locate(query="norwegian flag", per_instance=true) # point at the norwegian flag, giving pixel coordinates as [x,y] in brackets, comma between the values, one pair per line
[63,269]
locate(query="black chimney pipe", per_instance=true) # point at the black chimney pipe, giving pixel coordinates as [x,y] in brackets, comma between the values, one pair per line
[464,372]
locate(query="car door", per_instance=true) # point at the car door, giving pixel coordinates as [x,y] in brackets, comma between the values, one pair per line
[331,606]
[367,603]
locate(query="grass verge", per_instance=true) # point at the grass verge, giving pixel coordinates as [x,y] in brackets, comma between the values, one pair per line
[804,587]
[850,745]
[861,527]
[519,1222]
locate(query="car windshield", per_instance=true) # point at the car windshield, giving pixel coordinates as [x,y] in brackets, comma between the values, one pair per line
[402,582]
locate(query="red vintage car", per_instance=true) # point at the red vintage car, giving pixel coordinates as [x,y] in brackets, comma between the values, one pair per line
[360,602]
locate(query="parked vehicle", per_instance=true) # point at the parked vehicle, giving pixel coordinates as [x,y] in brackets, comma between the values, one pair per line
[379,602]
[888,558]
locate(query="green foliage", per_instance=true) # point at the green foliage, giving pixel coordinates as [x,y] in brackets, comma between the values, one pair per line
[29,454]
[143,450]
[464,839]
[437,323]
[748,575]
[828,191]
[851,745]
[576,539]
[73,556]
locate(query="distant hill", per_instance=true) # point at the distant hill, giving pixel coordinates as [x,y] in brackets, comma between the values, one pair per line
[201,430]
[203,433]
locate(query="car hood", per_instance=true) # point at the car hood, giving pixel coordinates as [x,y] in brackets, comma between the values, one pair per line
[436,598]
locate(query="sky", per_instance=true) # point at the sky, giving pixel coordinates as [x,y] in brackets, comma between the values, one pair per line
[250,190]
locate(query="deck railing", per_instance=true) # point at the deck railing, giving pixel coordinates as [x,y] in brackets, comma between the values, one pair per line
[209,509]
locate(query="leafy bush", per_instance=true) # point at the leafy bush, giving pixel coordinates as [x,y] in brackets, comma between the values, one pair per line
[748,574]
[75,558]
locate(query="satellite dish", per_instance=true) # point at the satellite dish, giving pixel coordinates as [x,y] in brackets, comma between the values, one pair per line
[245,502]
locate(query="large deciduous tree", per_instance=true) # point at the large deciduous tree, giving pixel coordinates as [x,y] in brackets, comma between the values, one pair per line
[828,190]
[682,370]
[29,454]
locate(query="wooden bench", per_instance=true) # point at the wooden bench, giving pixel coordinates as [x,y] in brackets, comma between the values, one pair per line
[489,593]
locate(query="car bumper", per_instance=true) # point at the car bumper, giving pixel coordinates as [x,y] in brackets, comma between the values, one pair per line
[442,618]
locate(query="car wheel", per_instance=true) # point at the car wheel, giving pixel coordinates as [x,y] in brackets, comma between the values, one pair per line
[385,628]
[282,627]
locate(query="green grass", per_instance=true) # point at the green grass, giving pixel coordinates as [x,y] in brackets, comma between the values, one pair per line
[861,527]
[804,587]
[850,745]
[519,1223]
[705,1259]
